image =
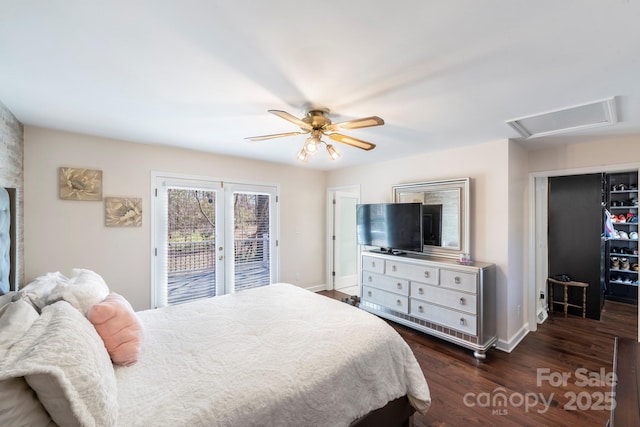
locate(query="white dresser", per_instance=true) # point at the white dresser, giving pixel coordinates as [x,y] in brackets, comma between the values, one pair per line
[438,296]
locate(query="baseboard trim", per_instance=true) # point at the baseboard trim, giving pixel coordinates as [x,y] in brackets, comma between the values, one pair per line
[512,343]
[316,288]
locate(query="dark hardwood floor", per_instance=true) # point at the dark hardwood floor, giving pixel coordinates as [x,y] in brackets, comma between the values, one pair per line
[529,378]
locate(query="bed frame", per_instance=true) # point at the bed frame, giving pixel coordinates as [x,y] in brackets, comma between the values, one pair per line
[397,413]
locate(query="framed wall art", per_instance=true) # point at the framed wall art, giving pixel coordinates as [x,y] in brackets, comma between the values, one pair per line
[80,184]
[123,211]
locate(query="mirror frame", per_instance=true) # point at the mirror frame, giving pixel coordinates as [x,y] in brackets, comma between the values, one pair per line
[463,184]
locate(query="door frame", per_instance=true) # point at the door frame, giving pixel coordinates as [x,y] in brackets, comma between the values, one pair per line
[155,175]
[538,254]
[355,189]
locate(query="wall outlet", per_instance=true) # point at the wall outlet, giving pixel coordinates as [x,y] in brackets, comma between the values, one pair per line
[541,295]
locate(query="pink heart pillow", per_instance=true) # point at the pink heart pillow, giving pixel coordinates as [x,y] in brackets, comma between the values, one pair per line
[119,327]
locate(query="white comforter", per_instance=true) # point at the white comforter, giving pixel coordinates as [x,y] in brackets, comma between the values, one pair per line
[272,356]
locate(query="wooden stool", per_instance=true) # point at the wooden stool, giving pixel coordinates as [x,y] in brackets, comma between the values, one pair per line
[565,302]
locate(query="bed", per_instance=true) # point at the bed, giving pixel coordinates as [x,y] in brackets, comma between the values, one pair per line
[277,355]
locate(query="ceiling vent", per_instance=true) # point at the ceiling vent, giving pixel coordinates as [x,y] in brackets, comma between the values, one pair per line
[579,117]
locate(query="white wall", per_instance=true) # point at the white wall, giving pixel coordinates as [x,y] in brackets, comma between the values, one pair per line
[61,234]
[604,151]
[487,166]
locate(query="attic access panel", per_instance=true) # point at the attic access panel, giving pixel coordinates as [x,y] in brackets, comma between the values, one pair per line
[594,114]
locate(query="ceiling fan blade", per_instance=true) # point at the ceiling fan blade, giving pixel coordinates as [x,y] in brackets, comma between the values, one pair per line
[357,123]
[364,145]
[293,119]
[275,135]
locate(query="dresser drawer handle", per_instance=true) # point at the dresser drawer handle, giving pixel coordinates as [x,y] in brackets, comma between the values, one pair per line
[421,309]
[370,279]
[373,264]
[393,268]
[462,301]
[399,302]
[399,285]
[420,291]
[369,293]
[457,280]
[426,274]
[462,321]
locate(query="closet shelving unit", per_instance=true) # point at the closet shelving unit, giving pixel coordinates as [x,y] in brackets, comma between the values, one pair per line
[622,282]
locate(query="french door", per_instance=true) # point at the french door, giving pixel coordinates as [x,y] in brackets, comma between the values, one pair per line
[211,238]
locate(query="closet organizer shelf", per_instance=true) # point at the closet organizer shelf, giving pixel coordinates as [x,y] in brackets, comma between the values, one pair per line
[440,297]
[623,283]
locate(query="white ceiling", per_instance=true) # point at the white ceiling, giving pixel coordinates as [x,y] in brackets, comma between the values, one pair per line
[202,74]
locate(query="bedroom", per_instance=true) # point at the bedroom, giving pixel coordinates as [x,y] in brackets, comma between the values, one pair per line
[500,168]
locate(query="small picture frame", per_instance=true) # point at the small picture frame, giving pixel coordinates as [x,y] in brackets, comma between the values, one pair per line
[123,211]
[80,184]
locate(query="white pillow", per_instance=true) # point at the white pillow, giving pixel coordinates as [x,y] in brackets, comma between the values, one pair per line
[41,287]
[65,362]
[83,289]
[7,298]
[15,320]
[19,405]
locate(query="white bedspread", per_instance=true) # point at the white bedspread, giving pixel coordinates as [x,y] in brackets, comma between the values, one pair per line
[272,356]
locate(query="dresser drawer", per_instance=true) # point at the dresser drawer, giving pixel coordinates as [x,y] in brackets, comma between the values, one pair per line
[449,298]
[386,283]
[395,302]
[458,280]
[420,273]
[462,322]
[373,264]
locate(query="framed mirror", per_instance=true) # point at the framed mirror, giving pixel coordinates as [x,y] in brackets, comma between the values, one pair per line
[445,219]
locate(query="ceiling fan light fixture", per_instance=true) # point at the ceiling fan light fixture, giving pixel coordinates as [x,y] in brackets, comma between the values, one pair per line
[302,155]
[333,153]
[311,146]
[317,123]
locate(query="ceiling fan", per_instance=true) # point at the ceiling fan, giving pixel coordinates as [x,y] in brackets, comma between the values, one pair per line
[317,123]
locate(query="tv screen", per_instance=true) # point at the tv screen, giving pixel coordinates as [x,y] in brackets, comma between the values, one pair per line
[390,226]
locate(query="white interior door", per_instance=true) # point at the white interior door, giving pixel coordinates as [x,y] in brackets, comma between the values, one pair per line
[345,248]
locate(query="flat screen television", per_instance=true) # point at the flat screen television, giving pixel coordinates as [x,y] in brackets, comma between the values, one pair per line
[393,227]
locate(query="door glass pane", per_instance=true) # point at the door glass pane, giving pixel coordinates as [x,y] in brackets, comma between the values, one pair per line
[251,240]
[191,243]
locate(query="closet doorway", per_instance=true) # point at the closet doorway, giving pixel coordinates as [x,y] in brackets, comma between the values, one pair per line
[342,247]
[538,236]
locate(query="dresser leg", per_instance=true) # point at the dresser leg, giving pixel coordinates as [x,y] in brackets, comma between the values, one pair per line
[480,355]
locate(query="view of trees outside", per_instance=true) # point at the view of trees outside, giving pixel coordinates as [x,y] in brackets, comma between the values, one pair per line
[192,244]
